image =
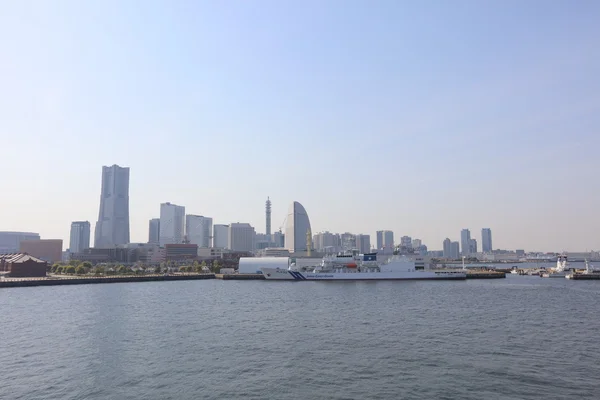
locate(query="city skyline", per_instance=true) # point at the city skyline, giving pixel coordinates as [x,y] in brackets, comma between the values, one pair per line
[459,121]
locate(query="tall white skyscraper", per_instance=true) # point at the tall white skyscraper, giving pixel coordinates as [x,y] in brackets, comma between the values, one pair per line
[172,224]
[486,240]
[198,230]
[154,231]
[221,236]
[80,236]
[112,228]
[465,242]
[241,237]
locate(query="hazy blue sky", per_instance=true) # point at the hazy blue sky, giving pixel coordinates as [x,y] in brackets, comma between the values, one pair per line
[423,117]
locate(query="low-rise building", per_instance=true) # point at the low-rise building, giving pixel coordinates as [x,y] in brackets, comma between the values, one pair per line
[23,265]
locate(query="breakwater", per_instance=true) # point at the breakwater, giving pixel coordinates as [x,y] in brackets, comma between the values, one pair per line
[23,282]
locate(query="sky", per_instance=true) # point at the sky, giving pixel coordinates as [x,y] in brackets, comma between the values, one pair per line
[421,117]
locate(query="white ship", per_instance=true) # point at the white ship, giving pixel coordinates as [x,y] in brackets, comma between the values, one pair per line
[355,268]
[561,270]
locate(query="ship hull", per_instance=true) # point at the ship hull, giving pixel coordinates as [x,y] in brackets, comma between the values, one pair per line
[287,275]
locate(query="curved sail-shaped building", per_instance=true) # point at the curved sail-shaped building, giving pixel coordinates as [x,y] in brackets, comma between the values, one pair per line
[297,227]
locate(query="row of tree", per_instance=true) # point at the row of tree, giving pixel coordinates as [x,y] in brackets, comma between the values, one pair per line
[86,267]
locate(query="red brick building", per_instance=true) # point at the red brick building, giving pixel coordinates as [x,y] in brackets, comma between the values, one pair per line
[21,265]
[49,250]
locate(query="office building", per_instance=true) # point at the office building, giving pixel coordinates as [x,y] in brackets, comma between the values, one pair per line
[172,224]
[241,237]
[112,228]
[451,250]
[80,236]
[473,246]
[154,231]
[385,240]
[198,230]
[486,240]
[465,242]
[221,236]
[363,243]
[10,242]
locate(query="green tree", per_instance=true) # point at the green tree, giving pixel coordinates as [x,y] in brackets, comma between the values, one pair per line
[157,270]
[59,269]
[189,268]
[87,265]
[215,266]
[99,270]
[121,269]
[70,269]
[74,262]
[54,267]
[203,264]
[198,268]
[182,269]
[80,270]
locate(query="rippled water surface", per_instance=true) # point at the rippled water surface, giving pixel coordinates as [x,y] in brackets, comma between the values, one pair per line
[515,338]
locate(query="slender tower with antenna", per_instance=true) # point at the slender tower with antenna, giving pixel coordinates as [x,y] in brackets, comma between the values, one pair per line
[268,215]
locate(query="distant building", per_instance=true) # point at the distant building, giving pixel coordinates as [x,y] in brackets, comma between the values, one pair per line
[20,265]
[181,251]
[451,250]
[278,239]
[473,247]
[49,250]
[416,244]
[363,243]
[465,242]
[198,230]
[327,242]
[221,236]
[520,252]
[261,241]
[154,231]
[112,228]
[80,236]
[348,241]
[10,242]
[273,252]
[296,228]
[172,224]
[241,237]
[406,242]
[486,240]
[385,240]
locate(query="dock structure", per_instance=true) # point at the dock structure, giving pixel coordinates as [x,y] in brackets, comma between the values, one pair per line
[584,277]
[240,277]
[485,275]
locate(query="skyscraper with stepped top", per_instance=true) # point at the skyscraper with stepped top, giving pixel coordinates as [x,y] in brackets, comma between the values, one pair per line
[112,228]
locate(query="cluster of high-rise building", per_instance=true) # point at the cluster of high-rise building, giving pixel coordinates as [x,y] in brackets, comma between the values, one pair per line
[175,233]
[330,243]
[467,246]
